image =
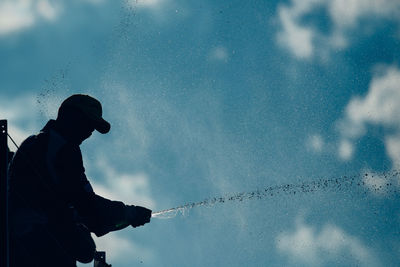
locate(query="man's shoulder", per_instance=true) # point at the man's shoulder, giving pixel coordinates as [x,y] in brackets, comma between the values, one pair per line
[34,141]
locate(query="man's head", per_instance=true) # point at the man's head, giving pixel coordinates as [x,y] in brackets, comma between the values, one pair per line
[80,115]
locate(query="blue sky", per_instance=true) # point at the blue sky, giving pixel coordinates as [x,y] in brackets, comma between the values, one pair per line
[208,98]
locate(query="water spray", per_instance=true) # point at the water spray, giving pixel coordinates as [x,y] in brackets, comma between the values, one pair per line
[344,183]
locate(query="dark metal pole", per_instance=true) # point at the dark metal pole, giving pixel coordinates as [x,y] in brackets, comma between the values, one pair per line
[4,248]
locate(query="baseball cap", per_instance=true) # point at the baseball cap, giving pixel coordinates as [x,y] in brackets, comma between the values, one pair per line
[91,108]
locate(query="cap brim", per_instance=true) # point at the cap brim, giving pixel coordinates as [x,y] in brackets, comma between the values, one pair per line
[102,126]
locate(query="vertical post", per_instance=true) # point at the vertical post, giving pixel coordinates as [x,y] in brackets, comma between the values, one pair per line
[4,248]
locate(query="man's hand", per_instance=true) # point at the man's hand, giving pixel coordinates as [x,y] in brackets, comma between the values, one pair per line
[137,215]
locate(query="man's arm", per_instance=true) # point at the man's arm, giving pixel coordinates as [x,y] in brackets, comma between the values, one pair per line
[101,215]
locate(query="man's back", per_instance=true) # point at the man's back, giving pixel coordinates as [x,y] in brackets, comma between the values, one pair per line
[30,183]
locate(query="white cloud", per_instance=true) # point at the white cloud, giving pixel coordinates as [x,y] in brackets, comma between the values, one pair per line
[382,103]
[219,53]
[345,15]
[316,143]
[17,15]
[296,38]
[131,189]
[346,150]
[308,246]
[392,144]
[47,10]
[381,107]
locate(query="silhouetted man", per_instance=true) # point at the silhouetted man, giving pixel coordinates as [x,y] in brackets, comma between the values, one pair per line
[53,207]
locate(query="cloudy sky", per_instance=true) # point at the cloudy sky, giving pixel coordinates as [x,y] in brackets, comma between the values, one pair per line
[211,98]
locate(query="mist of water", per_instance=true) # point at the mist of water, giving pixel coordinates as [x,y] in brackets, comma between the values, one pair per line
[345,183]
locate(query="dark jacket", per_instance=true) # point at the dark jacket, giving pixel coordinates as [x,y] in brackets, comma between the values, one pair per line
[48,187]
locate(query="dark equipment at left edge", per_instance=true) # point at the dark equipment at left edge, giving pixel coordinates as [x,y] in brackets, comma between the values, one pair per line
[4,159]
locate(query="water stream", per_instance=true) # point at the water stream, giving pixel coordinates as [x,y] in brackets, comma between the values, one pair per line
[382,183]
